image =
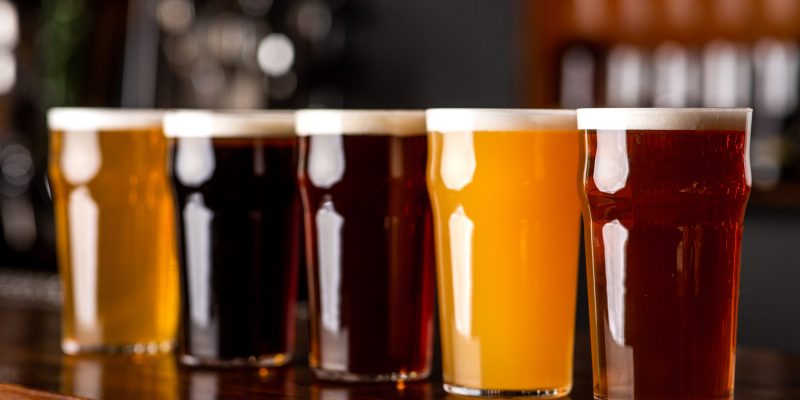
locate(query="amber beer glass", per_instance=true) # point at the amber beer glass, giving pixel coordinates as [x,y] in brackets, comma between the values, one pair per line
[369,243]
[238,212]
[506,217]
[114,230]
[664,196]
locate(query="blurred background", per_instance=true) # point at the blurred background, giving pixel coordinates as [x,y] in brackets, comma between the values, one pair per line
[410,54]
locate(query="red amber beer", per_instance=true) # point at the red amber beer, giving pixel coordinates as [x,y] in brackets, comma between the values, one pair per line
[665,192]
[369,243]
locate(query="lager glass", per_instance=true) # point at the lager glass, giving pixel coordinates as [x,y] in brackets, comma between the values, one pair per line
[114,230]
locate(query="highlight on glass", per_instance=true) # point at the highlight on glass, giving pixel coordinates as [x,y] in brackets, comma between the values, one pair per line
[664,194]
[369,243]
[114,230]
[234,176]
[506,217]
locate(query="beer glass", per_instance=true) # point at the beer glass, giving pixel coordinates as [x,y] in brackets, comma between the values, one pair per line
[114,230]
[368,241]
[664,196]
[234,176]
[506,217]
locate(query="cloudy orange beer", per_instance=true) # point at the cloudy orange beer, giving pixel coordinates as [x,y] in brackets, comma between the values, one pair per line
[506,218]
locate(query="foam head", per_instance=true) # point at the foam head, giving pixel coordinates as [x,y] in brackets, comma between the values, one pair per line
[684,119]
[232,124]
[102,119]
[445,120]
[360,122]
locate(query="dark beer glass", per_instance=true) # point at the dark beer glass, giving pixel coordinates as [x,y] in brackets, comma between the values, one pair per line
[238,215]
[368,242]
[665,192]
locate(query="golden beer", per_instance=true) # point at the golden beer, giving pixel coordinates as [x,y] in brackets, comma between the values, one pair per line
[506,221]
[114,230]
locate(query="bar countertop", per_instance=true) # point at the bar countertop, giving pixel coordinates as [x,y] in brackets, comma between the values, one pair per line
[30,358]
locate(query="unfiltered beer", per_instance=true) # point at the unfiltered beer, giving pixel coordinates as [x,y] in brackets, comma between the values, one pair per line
[114,230]
[238,209]
[665,195]
[506,217]
[368,238]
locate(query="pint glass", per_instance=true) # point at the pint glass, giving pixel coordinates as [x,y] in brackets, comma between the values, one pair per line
[114,230]
[506,217]
[369,243]
[235,180]
[664,196]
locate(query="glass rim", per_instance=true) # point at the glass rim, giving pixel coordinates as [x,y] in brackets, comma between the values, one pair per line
[663,118]
[312,122]
[228,123]
[98,119]
[453,120]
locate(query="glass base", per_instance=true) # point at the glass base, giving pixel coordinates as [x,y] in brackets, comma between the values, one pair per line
[343,376]
[600,396]
[515,393]
[72,347]
[271,360]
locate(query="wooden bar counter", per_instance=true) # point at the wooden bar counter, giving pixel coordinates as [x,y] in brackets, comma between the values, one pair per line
[32,367]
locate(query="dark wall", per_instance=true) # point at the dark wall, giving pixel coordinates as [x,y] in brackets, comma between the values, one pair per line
[417,53]
[769,303]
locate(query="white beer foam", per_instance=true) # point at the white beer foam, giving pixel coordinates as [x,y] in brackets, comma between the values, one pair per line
[99,119]
[360,122]
[665,118]
[230,124]
[444,120]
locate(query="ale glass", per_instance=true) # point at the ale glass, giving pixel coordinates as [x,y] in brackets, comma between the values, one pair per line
[506,217]
[114,230]
[368,242]
[664,196]
[234,176]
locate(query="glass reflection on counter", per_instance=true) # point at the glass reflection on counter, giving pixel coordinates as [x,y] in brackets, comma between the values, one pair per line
[399,391]
[113,377]
[212,384]
[239,213]
[457,397]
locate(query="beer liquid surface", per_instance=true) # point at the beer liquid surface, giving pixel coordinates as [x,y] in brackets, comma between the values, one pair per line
[664,238]
[506,212]
[239,214]
[115,237]
[368,227]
